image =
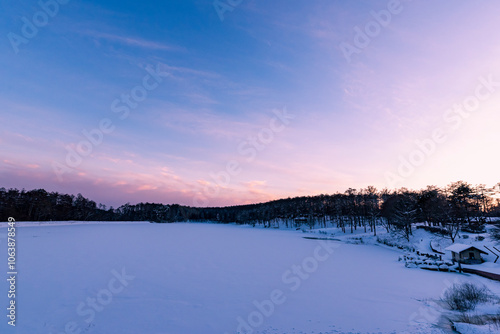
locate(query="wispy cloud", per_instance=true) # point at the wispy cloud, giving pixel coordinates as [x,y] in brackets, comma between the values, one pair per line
[133,41]
[186,70]
[207,122]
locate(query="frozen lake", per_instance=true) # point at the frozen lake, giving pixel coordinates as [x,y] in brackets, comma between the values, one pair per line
[204,278]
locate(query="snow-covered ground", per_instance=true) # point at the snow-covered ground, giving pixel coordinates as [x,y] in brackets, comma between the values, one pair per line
[206,278]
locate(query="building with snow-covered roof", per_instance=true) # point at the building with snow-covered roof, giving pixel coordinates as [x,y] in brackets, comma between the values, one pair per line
[466,253]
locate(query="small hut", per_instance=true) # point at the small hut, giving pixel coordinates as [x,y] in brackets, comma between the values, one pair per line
[466,254]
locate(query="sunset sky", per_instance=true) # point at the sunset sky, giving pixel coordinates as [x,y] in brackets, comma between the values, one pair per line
[278,98]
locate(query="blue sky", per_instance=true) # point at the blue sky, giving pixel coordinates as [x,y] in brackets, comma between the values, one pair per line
[353,122]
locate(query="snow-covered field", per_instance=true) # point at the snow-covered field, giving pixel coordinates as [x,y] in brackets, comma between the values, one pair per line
[141,278]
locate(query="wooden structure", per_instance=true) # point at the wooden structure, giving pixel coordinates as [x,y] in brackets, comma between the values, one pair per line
[466,254]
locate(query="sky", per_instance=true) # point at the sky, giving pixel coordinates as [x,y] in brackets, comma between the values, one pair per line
[214,103]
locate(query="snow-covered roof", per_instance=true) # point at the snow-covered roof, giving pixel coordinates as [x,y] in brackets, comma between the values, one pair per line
[458,248]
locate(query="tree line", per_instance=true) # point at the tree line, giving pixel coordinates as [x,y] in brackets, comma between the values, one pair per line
[446,210]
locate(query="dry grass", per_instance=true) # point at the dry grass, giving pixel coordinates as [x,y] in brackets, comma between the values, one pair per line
[466,296]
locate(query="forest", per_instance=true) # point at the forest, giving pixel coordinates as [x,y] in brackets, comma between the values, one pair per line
[458,206]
